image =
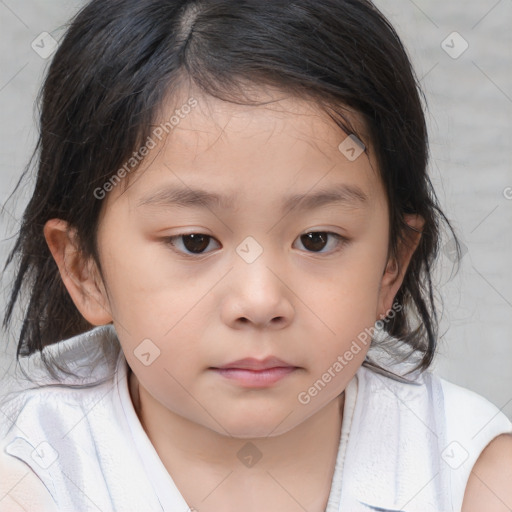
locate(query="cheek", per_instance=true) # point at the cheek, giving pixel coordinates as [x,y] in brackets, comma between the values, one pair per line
[350,294]
[169,381]
[145,291]
[155,309]
[347,305]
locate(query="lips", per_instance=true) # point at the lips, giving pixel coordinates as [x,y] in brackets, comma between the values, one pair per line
[253,364]
[255,373]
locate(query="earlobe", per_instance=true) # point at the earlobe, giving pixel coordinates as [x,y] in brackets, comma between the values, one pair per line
[397,265]
[79,275]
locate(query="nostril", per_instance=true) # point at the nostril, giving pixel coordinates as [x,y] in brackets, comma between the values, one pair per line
[277,319]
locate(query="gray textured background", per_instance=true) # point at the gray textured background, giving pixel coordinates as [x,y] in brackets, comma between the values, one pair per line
[470,118]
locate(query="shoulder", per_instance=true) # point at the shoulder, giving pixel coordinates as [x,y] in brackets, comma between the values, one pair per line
[464,402]
[472,419]
[85,368]
[483,433]
[35,409]
[456,432]
[36,452]
[489,486]
[459,411]
[20,488]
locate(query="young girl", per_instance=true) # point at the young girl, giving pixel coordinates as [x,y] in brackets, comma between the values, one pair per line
[228,258]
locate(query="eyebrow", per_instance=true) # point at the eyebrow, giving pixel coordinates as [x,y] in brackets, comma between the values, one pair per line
[342,194]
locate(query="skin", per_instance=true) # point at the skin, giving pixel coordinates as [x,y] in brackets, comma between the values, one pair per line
[302,306]
[489,486]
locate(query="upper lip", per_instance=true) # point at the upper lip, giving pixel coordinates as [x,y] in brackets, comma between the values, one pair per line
[250,363]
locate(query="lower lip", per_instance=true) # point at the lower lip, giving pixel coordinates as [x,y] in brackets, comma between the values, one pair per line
[255,378]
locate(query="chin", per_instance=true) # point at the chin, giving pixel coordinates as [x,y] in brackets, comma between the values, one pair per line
[256,427]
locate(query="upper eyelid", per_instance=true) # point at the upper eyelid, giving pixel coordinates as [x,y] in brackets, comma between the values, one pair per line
[342,239]
[211,236]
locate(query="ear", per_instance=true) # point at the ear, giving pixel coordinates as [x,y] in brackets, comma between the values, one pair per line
[79,275]
[396,267]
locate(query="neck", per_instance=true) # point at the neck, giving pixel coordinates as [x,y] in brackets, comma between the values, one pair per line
[198,458]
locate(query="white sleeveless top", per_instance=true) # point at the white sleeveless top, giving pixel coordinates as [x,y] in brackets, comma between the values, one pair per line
[403,447]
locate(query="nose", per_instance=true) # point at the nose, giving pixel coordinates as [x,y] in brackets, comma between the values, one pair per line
[257,297]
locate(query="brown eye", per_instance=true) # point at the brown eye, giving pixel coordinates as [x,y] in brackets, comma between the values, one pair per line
[194,243]
[316,241]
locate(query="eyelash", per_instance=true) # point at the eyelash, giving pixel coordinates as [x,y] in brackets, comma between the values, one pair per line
[169,241]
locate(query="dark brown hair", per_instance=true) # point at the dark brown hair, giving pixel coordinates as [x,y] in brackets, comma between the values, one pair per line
[119,61]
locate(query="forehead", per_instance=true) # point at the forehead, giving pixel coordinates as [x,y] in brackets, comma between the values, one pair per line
[275,120]
[285,144]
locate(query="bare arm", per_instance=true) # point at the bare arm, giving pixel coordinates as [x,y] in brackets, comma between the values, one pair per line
[21,490]
[489,486]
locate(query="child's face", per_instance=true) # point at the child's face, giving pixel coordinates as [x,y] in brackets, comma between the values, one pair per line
[302,300]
